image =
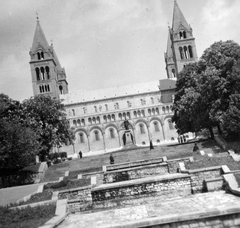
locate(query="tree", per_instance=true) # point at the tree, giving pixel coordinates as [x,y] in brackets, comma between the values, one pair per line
[204,88]
[49,119]
[18,142]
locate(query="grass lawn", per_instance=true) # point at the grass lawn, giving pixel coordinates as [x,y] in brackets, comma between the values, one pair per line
[95,163]
[213,161]
[27,217]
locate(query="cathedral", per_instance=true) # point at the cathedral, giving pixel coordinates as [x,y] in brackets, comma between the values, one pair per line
[110,119]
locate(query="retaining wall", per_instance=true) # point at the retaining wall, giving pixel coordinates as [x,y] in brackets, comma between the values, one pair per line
[164,187]
[199,175]
[135,173]
[133,164]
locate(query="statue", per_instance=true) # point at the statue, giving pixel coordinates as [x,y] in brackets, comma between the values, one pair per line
[126,124]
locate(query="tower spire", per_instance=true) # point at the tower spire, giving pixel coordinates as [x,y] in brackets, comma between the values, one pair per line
[178,18]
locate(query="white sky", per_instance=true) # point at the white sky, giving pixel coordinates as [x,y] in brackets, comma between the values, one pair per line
[104,43]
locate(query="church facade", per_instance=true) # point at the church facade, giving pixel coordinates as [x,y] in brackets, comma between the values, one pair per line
[98,118]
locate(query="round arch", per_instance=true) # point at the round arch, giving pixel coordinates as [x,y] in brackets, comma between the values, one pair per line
[167,117]
[81,130]
[141,121]
[157,119]
[111,125]
[96,128]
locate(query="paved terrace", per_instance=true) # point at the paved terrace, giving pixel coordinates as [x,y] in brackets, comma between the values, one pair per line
[194,206]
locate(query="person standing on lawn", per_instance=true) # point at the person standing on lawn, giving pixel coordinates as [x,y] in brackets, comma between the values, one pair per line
[195,148]
[111,159]
[80,154]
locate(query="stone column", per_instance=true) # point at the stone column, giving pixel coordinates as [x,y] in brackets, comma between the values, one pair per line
[163,131]
[88,143]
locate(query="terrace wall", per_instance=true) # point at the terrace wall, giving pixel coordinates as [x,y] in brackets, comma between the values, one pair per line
[135,173]
[164,187]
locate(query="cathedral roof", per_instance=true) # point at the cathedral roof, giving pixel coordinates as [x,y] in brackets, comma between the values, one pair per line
[108,93]
[39,39]
[178,19]
[167,84]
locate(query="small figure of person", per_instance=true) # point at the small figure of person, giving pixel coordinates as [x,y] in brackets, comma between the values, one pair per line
[151,145]
[184,138]
[111,159]
[181,139]
[195,148]
[80,154]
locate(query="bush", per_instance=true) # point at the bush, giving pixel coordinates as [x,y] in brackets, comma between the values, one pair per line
[56,185]
[26,218]
[63,154]
[38,197]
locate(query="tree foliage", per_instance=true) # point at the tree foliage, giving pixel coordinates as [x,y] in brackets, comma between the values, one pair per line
[205,90]
[30,128]
[50,120]
[18,142]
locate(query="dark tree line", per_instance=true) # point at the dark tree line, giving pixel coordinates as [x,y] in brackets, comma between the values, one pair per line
[208,91]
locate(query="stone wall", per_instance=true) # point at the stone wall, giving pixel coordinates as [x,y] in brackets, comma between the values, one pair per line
[213,184]
[135,173]
[98,175]
[164,187]
[135,164]
[173,164]
[199,175]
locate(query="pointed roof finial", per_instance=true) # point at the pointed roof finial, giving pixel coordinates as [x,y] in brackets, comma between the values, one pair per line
[37,16]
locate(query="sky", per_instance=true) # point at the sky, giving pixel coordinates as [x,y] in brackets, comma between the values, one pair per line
[104,43]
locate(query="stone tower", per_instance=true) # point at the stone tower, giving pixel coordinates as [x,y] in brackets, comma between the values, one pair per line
[181,48]
[48,77]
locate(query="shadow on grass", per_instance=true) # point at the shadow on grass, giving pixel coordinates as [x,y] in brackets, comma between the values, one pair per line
[213,145]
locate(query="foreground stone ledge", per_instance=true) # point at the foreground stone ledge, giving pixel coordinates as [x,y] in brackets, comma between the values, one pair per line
[140,181]
[228,216]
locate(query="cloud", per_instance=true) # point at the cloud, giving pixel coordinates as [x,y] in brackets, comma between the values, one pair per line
[218,22]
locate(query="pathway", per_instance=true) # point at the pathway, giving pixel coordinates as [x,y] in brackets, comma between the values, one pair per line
[126,217]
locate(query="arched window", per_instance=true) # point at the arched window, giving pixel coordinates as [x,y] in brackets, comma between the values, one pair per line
[98,119]
[47,72]
[112,136]
[42,55]
[180,35]
[83,122]
[42,73]
[120,116]
[37,74]
[94,120]
[129,104]
[113,117]
[46,88]
[105,118]
[128,115]
[96,135]
[95,108]
[78,122]
[81,137]
[90,120]
[157,111]
[170,124]
[75,123]
[61,89]
[135,114]
[73,112]
[40,88]
[156,126]
[142,129]
[39,55]
[184,34]
[181,52]
[190,51]
[106,106]
[185,52]
[149,112]
[173,73]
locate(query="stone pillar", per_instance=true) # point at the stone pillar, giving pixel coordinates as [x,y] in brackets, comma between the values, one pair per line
[88,143]
[163,131]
